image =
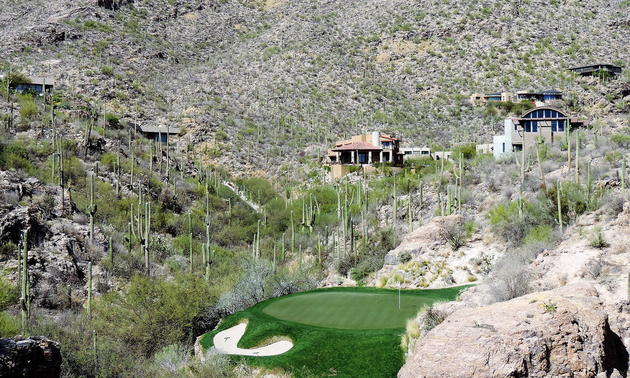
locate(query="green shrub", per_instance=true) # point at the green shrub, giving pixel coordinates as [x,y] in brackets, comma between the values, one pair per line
[8,294]
[106,70]
[28,109]
[112,120]
[14,156]
[621,140]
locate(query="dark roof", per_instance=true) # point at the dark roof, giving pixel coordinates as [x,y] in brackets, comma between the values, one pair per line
[596,65]
[357,146]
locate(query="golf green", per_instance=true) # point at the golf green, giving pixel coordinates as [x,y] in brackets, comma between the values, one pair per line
[348,310]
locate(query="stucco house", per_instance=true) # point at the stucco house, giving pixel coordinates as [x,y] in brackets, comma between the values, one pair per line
[364,150]
[545,121]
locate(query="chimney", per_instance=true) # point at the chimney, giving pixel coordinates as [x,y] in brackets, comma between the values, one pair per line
[376,139]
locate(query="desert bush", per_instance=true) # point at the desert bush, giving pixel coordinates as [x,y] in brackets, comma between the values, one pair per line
[112,120]
[622,140]
[433,317]
[454,234]
[413,328]
[14,155]
[8,294]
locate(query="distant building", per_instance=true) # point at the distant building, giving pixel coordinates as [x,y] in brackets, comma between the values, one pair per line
[484,148]
[364,150]
[439,155]
[414,152]
[540,98]
[546,121]
[158,133]
[36,84]
[594,69]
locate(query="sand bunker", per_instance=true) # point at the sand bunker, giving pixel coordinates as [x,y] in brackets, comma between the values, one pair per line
[226,342]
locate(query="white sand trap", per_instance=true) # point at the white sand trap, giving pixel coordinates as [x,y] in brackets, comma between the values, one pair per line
[226,342]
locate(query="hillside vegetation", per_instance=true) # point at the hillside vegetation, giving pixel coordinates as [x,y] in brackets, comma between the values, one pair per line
[135,248]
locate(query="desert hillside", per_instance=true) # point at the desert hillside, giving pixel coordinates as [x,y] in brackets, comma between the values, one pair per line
[175,175]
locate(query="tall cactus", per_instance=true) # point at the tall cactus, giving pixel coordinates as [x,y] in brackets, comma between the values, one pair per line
[623,174]
[91,208]
[25,300]
[89,298]
[559,207]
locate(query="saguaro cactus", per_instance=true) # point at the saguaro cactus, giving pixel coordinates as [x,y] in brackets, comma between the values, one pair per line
[89,298]
[91,208]
[559,208]
[25,298]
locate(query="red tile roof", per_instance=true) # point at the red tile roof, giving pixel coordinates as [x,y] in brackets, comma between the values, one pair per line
[357,146]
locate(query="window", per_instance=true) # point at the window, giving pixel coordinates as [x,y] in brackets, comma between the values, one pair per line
[547,113]
[561,125]
[387,144]
[554,125]
[527,126]
[534,126]
[503,147]
[362,158]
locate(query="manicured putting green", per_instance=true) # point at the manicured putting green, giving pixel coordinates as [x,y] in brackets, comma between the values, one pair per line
[347,310]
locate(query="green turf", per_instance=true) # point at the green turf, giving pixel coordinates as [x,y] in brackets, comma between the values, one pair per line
[344,310]
[319,351]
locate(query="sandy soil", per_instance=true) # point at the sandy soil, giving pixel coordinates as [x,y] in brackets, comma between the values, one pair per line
[226,342]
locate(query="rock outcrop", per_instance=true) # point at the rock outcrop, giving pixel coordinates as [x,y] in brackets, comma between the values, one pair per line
[35,357]
[563,332]
[58,247]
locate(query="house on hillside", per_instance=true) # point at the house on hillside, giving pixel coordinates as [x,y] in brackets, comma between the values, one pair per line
[364,150]
[158,133]
[597,69]
[415,152]
[540,98]
[35,83]
[545,121]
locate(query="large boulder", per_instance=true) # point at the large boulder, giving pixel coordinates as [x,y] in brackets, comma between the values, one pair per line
[563,332]
[35,357]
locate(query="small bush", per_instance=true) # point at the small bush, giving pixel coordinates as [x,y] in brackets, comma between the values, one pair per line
[454,234]
[621,140]
[112,120]
[433,318]
[598,241]
[413,328]
[106,70]
[28,109]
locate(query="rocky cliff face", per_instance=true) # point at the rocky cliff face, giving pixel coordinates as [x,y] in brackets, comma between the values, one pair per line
[35,357]
[58,247]
[563,332]
[577,323]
